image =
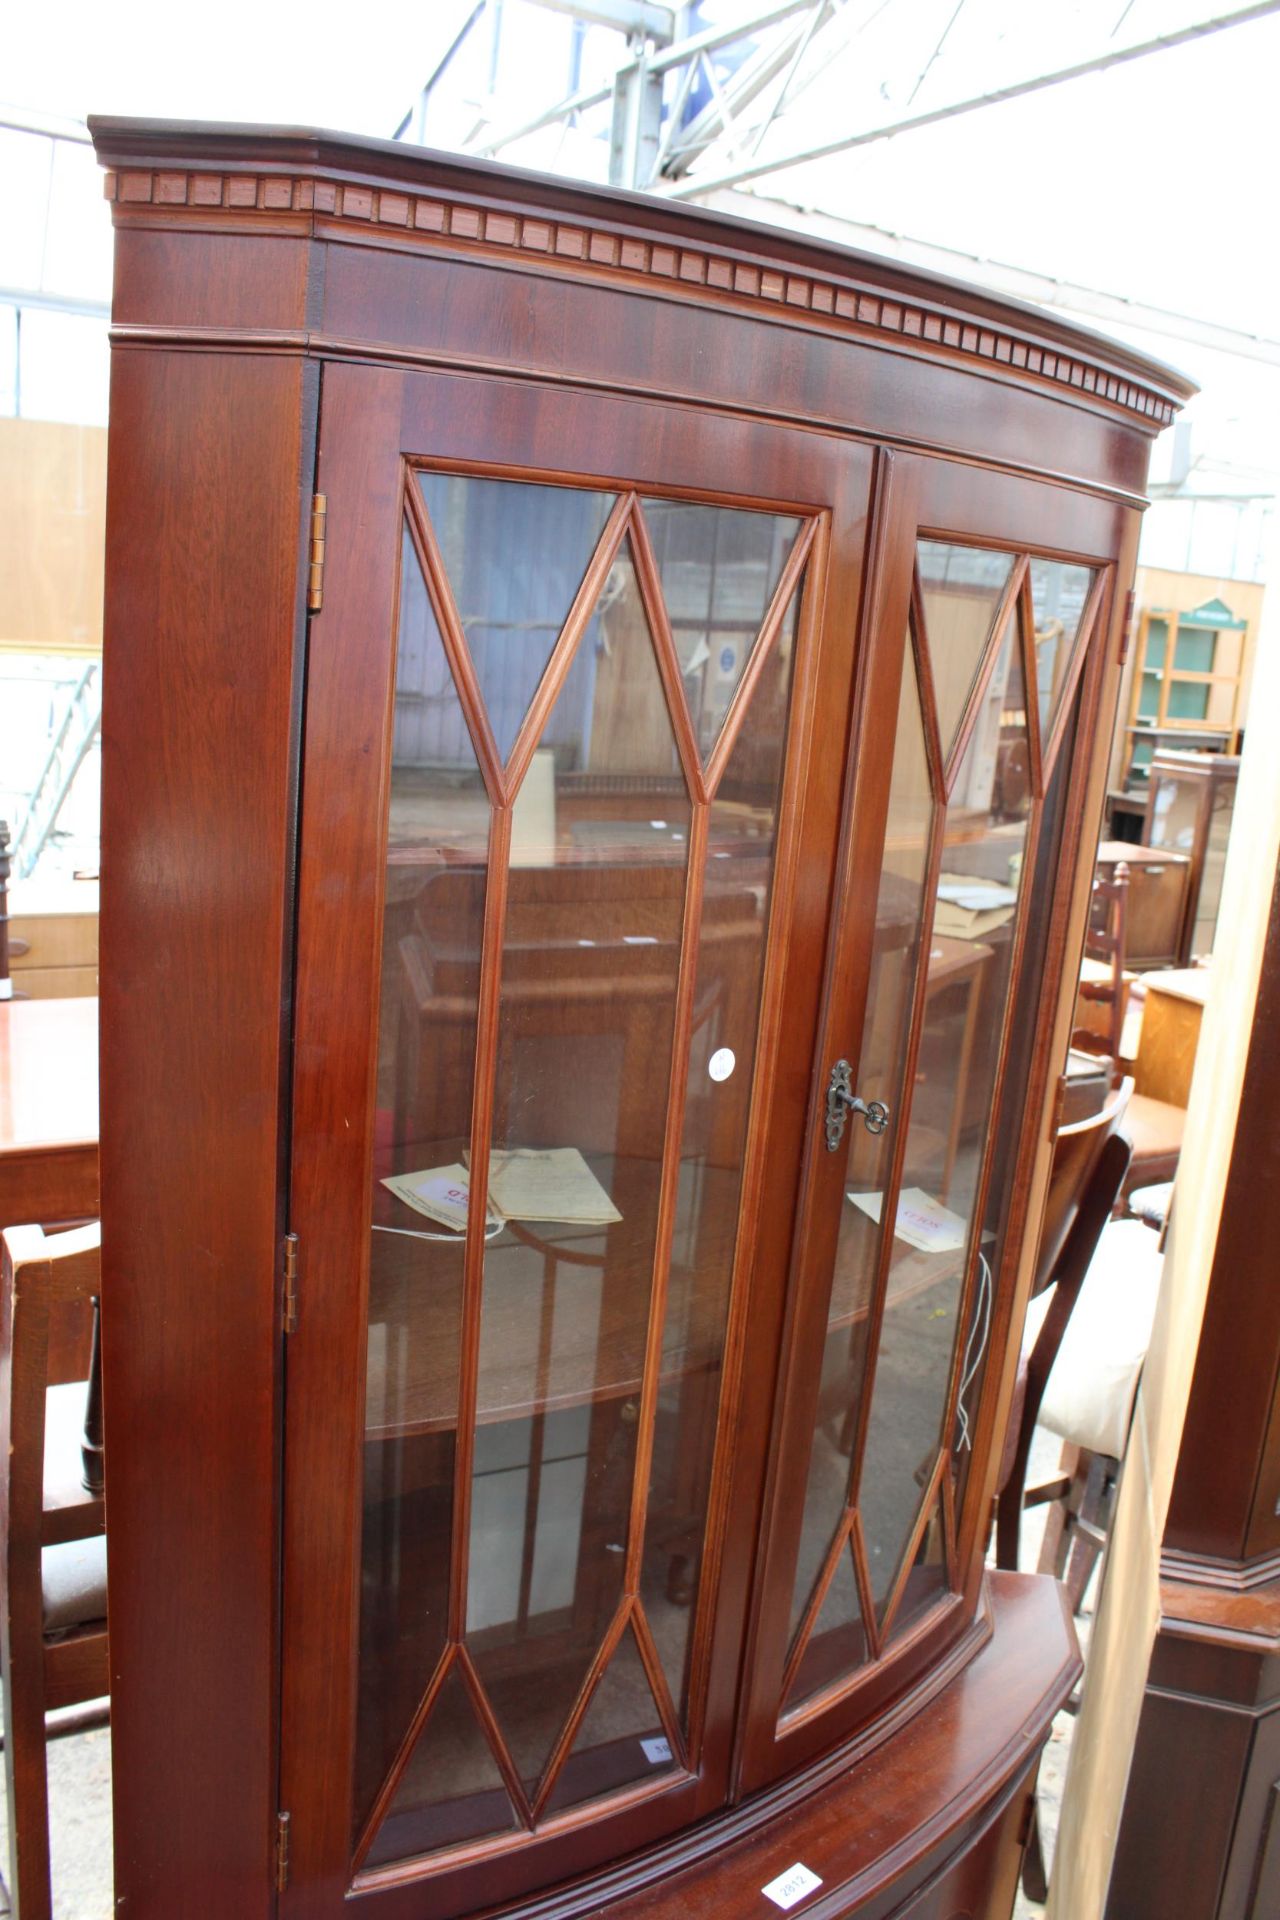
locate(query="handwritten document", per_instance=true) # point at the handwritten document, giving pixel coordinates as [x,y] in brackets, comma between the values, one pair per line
[548,1183]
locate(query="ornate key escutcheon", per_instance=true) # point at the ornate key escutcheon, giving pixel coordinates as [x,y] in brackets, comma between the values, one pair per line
[842,1101]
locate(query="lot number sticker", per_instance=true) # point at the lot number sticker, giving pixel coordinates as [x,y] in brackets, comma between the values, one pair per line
[791,1886]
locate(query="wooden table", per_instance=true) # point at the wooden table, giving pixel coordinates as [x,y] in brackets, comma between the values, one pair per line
[1172,1007]
[48,1111]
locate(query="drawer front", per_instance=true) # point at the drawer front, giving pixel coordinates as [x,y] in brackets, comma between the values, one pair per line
[1155,913]
[54,983]
[38,940]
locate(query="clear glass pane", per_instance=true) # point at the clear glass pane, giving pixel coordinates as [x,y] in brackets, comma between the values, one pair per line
[1188,700]
[720,567]
[1059,594]
[1149,697]
[1194,649]
[737,881]
[515,554]
[961,588]
[591,953]
[1175,808]
[969,967]
[437,855]
[8,361]
[1209,898]
[1157,644]
[1040,887]
[927,1580]
[451,1791]
[838,1643]
[881,1065]
[63,367]
[621,1739]
[590,963]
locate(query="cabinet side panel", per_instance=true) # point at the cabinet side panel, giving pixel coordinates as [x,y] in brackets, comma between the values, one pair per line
[254,282]
[1224,1494]
[1175,1833]
[204,545]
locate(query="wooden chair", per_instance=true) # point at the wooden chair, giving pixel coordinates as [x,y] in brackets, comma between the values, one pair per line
[1089,1165]
[53,1629]
[1102,981]
[1155,1127]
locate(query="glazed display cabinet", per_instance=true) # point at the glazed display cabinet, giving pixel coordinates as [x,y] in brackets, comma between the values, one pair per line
[605,729]
[1190,805]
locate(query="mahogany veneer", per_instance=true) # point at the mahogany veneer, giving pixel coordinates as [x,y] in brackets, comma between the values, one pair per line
[560,649]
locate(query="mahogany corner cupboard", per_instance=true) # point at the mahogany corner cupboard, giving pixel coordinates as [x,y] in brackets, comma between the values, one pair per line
[606,720]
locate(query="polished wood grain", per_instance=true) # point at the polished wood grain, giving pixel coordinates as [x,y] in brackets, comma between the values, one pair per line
[1226,1489]
[205,525]
[452,316]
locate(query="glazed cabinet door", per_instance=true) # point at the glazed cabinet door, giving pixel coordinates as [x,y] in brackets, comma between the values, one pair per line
[928,1098]
[576,716]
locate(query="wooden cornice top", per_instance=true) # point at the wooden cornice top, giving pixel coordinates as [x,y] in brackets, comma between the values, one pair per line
[340,186]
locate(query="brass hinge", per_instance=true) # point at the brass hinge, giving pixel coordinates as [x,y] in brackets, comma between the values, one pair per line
[282,1852]
[315,574]
[1059,1102]
[1127,632]
[290,1313]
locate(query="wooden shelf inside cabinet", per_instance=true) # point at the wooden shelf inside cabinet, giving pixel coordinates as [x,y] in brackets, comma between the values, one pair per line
[672,756]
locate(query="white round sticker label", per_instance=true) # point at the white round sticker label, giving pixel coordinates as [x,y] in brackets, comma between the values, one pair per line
[722,1063]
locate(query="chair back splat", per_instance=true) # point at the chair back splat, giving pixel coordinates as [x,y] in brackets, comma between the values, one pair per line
[53,1629]
[1104,944]
[1090,1161]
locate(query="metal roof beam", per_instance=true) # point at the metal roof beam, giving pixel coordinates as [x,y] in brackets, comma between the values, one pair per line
[712,37]
[755,169]
[679,54]
[744,86]
[35,298]
[1021,283]
[632,17]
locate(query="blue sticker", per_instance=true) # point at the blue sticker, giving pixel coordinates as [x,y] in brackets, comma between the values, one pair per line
[728,659]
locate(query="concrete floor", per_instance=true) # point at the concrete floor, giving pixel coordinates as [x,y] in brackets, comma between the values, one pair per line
[79,1827]
[1053,1766]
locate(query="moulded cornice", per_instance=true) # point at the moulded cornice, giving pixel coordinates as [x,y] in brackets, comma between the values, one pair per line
[333,185]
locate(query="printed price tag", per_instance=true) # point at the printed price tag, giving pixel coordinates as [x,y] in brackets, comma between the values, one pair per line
[791,1886]
[656,1751]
